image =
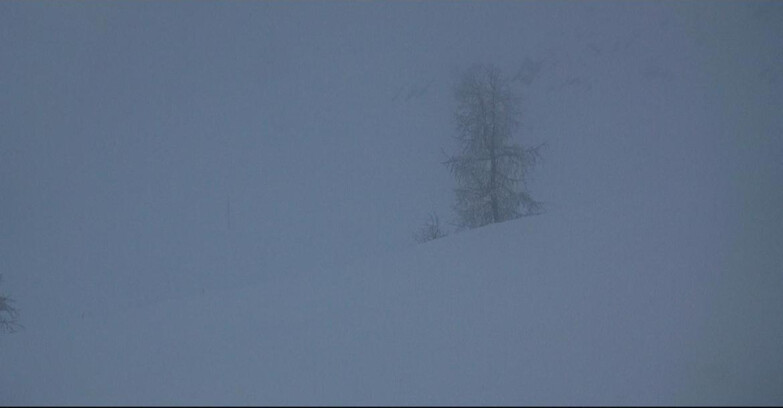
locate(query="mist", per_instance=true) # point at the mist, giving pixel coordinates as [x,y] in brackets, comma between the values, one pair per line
[248,159]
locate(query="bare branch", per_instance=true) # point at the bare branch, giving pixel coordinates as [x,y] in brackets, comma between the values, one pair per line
[431,230]
[8,316]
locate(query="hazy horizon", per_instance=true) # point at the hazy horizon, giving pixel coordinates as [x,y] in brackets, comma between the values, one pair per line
[152,151]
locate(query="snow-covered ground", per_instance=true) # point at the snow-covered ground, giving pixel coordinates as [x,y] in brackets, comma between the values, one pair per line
[545,310]
[215,203]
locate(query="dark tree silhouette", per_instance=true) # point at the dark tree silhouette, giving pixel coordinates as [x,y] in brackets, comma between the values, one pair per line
[490,170]
[8,316]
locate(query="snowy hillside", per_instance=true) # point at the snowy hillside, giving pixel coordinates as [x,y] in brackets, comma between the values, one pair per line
[527,312]
[215,202]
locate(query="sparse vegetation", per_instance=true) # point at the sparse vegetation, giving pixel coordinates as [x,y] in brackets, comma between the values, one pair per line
[490,170]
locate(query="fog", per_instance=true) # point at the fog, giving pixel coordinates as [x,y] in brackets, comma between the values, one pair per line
[159,152]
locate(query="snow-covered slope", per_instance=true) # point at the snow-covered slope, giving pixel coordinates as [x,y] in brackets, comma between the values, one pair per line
[544,310]
[214,203]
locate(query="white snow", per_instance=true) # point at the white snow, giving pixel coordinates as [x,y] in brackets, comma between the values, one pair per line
[655,276]
[544,310]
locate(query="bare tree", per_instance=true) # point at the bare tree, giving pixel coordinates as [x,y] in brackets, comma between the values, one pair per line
[8,316]
[431,230]
[490,170]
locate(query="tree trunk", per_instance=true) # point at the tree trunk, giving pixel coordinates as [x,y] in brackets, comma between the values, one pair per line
[493,197]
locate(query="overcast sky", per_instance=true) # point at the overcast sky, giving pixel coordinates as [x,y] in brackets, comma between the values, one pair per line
[154,149]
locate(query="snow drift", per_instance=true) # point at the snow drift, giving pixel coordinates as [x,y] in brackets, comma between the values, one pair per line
[526,312]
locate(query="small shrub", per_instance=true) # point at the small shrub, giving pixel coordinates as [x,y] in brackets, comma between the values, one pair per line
[431,230]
